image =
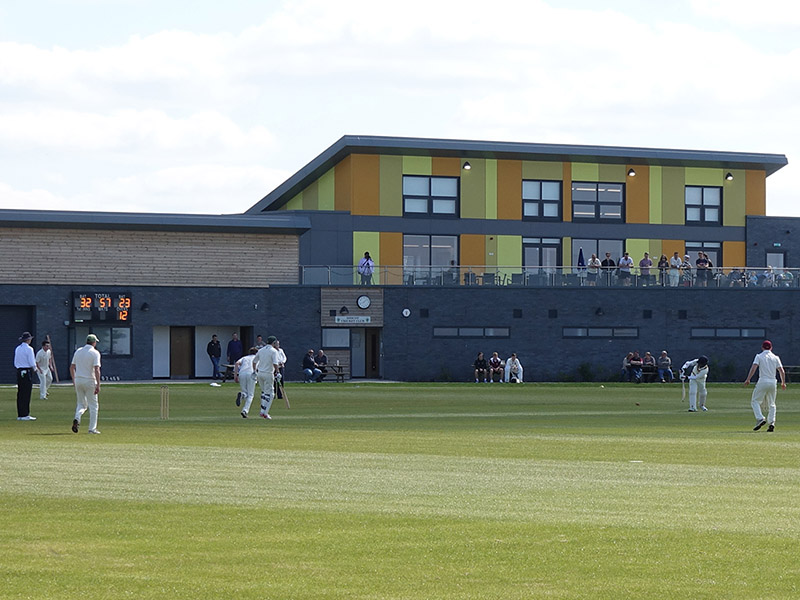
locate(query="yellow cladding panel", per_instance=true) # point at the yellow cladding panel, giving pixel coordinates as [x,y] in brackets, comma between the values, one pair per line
[491,189]
[509,190]
[509,254]
[734,199]
[656,206]
[566,251]
[637,194]
[473,190]
[756,185]
[295,203]
[391,187]
[546,171]
[704,176]
[491,250]
[327,191]
[417,165]
[636,248]
[366,241]
[585,172]
[673,195]
[734,254]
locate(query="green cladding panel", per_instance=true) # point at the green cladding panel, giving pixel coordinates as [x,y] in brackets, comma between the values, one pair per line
[473,190]
[673,196]
[417,165]
[327,191]
[734,197]
[391,186]
[491,189]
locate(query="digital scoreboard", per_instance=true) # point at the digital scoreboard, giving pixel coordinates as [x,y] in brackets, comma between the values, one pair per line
[112,307]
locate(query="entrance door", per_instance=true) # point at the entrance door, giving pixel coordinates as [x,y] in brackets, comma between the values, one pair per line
[181,352]
[373,354]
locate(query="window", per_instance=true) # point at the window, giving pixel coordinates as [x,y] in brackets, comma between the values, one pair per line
[598,247]
[600,332]
[429,258]
[598,202]
[728,332]
[703,205]
[114,341]
[336,338]
[541,255]
[541,200]
[430,195]
[471,332]
[713,249]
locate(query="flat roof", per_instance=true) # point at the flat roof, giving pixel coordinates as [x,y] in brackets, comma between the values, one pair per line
[281,223]
[363,144]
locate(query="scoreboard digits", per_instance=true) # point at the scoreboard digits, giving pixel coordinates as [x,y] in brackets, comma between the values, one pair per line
[101,306]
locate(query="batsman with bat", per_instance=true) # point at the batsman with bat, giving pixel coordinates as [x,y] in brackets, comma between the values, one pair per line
[265,365]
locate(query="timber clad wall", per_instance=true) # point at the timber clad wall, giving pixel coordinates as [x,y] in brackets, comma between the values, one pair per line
[102,257]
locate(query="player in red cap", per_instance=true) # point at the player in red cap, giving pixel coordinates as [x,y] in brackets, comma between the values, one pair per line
[768,366]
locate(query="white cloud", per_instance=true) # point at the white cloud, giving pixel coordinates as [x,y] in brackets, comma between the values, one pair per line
[781,13]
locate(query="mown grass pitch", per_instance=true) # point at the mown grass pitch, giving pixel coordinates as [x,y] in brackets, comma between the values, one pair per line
[402,491]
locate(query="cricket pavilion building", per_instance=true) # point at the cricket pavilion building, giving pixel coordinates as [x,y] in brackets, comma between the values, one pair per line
[478,246]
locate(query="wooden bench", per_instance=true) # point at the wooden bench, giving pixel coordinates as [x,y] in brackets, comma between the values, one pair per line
[791,371]
[338,371]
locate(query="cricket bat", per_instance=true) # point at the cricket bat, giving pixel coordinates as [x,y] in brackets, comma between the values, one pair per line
[283,393]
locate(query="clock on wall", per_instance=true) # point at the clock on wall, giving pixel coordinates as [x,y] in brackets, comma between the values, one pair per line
[363,301]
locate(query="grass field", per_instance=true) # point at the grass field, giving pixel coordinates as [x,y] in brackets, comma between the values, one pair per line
[405,491]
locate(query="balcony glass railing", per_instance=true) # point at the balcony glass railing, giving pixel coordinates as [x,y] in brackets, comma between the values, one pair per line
[558,276]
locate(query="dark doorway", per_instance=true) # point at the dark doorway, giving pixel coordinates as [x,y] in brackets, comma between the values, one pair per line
[373,353]
[181,352]
[13,321]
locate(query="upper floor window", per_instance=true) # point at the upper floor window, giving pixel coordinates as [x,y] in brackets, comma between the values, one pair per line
[598,201]
[424,195]
[703,205]
[541,200]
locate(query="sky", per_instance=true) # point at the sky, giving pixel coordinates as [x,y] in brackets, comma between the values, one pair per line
[204,106]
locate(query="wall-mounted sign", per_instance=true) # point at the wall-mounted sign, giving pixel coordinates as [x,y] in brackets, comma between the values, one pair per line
[101,306]
[354,320]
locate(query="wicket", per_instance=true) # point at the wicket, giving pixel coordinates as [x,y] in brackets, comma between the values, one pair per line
[165,402]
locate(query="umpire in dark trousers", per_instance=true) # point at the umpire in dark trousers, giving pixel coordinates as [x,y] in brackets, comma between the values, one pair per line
[25,363]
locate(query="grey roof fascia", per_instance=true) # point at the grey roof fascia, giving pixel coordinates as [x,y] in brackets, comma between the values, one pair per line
[289,223]
[355,144]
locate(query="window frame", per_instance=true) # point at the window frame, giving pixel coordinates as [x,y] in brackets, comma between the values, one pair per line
[430,198]
[703,222]
[541,202]
[597,203]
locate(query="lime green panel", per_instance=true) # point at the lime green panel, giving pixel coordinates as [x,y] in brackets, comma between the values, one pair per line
[656,208]
[473,190]
[585,172]
[311,196]
[509,255]
[566,253]
[636,248]
[366,241]
[327,191]
[491,250]
[703,176]
[295,203]
[655,251]
[417,165]
[612,173]
[673,196]
[391,186]
[538,169]
[734,199]
[491,189]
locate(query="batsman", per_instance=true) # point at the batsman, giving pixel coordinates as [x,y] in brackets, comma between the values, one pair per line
[696,371]
[265,365]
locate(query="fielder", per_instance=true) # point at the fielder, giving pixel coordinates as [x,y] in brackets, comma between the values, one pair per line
[85,372]
[767,364]
[43,359]
[243,374]
[698,372]
[265,365]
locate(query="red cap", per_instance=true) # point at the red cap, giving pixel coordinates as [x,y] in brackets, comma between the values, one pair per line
[767,345]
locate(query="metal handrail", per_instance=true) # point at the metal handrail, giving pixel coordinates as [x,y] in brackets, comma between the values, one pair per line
[549,276]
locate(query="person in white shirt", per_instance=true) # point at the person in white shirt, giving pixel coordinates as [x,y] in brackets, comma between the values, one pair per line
[85,372]
[625,265]
[768,365]
[265,364]
[243,374]
[593,268]
[25,364]
[513,369]
[698,373]
[675,264]
[43,359]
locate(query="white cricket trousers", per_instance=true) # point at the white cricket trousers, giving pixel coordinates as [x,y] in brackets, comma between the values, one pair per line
[764,399]
[45,379]
[266,381]
[84,389]
[697,394]
[247,385]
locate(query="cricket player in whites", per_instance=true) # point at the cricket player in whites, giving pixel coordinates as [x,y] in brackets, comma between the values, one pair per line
[243,374]
[265,365]
[85,372]
[768,365]
[697,373]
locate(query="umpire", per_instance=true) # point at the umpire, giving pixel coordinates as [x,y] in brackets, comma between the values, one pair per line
[25,363]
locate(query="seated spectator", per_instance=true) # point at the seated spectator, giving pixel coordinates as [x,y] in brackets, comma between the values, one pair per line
[481,368]
[665,367]
[649,370]
[786,278]
[635,368]
[310,371]
[513,369]
[626,367]
[496,369]
[322,363]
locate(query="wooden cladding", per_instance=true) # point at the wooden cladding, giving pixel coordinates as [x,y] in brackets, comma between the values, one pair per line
[162,258]
[336,299]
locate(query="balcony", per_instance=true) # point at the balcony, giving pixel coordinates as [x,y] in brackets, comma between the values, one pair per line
[549,277]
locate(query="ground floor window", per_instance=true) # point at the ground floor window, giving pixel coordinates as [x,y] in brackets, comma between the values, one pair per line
[114,341]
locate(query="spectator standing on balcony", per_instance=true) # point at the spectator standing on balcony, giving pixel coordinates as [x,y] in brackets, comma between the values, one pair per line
[625,265]
[644,268]
[686,267]
[592,269]
[663,269]
[481,368]
[366,266]
[608,264]
[664,363]
[675,264]
[702,270]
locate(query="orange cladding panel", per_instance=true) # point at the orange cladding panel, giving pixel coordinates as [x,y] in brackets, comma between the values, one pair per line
[566,190]
[755,193]
[669,247]
[509,189]
[366,185]
[392,256]
[473,250]
[446,166]
[637,195]
[734,254]
[342,181]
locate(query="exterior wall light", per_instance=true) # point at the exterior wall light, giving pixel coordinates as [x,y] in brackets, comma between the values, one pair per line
[729,177]
[466,166]
[631,173]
